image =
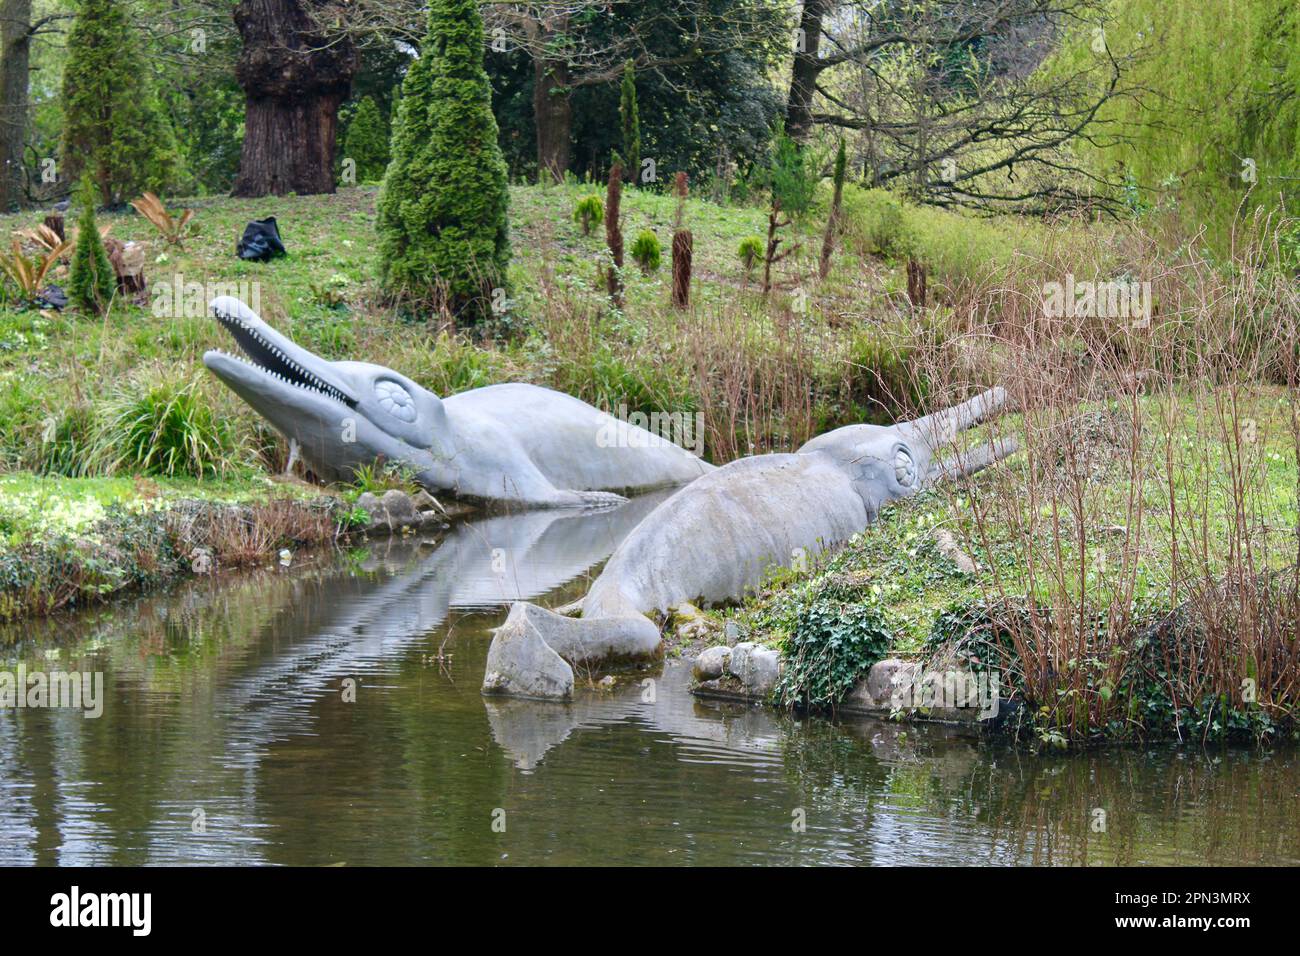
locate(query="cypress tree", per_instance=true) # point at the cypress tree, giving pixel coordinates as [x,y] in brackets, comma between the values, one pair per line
[443,233]
[114,127]
[366,141]
[92,281]
[631,123]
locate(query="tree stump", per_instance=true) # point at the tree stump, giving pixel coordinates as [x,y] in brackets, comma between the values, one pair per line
[54,222]
[127,259]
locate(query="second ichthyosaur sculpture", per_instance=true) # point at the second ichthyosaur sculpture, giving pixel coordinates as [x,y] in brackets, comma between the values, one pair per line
[715,540]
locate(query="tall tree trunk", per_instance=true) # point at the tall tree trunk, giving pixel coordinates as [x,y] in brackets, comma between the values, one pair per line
[683,250]
[806,69]
[294,77]
[553,114]
[15,52]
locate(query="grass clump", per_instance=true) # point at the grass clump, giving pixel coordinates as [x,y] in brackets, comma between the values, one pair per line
[750,253]
[164,428]
[384,476]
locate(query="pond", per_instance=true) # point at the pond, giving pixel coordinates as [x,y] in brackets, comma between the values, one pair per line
[329,714]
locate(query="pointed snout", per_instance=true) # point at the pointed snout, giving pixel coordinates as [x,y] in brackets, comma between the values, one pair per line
[940,429]
[274,351]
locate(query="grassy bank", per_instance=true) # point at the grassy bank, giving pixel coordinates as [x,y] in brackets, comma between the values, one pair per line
[1126,581]
[73,542]
[765,372]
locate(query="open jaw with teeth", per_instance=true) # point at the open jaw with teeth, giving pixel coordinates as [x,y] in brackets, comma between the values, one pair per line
[264,355]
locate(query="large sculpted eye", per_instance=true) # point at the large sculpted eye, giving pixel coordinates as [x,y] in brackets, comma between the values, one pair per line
[395,400]
[904,468]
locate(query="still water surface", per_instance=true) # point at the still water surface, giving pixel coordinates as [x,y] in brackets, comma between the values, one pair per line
[225,706]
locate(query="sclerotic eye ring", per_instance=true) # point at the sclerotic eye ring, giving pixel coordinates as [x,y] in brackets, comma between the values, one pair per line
[395,400]
[904,468]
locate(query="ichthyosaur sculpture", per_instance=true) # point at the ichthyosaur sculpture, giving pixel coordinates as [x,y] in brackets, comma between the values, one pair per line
[716,539]
[511,445]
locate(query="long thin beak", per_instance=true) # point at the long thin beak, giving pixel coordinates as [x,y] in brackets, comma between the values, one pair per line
[939,429]
[277,353]
[965,464]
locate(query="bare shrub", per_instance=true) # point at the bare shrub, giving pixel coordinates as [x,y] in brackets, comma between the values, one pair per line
[1141,559]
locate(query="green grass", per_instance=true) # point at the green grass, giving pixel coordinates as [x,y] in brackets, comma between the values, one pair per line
[46,506]
[111,400]
[64,378]
[899,570]
[62,374]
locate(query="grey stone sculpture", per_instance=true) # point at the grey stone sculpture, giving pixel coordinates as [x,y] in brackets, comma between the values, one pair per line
[716,539]
[503,445]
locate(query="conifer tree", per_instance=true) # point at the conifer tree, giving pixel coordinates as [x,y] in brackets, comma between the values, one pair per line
[114,126]
[366,141]
[442,225]
[627,110]
[92,281]
[837,201]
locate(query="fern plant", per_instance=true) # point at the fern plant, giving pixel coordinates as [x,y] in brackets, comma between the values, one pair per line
[28,273]
[45,237]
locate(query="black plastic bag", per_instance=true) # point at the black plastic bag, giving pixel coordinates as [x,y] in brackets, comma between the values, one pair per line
[261,241]
[52,297]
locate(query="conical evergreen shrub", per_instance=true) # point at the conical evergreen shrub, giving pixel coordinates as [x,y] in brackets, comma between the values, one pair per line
[443,233]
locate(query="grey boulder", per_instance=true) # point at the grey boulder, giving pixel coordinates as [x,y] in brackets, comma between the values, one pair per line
[757,668]
[712,663]
[522,664]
